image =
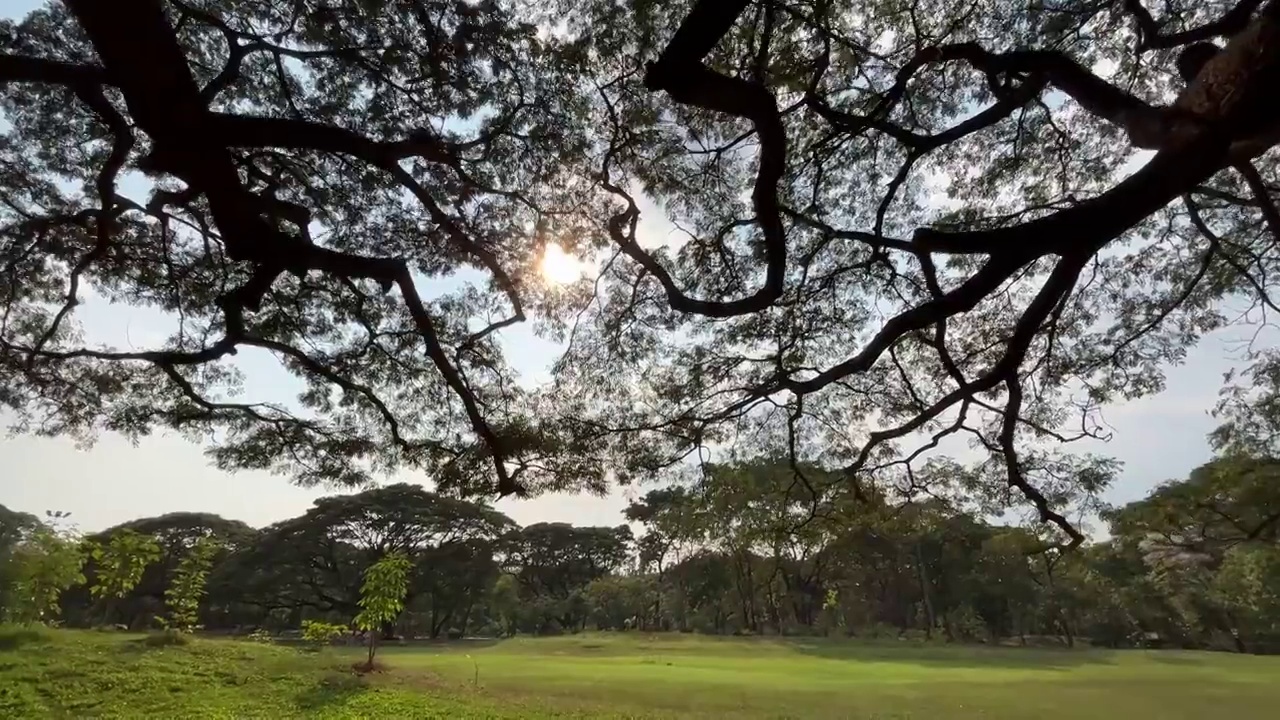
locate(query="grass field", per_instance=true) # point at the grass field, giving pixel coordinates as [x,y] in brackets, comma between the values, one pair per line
[92,674]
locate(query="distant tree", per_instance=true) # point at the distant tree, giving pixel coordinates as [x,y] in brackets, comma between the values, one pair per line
[1228,501]
[504,604]
[1249,410]
[553,564]
[315,561]
[1247,585]
[675,530]
[382,596]
[14,528]
[621,602]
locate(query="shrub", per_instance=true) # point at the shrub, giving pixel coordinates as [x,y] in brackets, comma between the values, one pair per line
[318,632]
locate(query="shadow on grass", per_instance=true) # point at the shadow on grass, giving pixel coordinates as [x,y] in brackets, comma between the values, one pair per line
[158,640]
[950,656]
[16,638]
[334,689]
[465,646]
[1168,659]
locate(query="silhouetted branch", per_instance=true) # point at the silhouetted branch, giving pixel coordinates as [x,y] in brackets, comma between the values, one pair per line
[1262,196]
[1150,36]
[165,102]
[19,68]
[1144,122]
[679,71]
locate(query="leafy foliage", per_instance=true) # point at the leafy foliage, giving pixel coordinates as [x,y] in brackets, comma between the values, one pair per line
[318,632]
[1247,584]
[175,533]
[14,527]
[43,565]
[188,585]
[382,596]
[121,562]
[1229,501]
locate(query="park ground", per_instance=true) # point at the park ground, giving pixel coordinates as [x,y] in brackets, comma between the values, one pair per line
[66,673]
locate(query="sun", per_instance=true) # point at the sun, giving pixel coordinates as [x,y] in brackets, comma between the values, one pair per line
[559,267]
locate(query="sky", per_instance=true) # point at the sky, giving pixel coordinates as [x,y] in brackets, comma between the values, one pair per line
[1158,438]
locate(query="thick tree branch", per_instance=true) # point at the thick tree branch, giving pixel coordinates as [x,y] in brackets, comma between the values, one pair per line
[1150,36]
[1198,151]
[20,68]
[1144,123]
[702,29]
[122,144]
[920,143]
[961,299]
[250,131]
[680,72]
[1097,221]
[1262,196]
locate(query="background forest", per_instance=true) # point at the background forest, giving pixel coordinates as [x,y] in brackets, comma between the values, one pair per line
[746,550]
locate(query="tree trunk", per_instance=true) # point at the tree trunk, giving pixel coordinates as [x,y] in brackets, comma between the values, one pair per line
[1233,628]
[466,618]
[753,621]
[922,575]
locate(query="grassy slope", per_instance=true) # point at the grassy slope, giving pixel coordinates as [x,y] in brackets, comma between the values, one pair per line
[79,674]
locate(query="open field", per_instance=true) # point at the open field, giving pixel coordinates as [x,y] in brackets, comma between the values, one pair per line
[91,674]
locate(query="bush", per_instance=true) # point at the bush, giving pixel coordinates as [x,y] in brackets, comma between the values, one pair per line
[318,632]
[966,625]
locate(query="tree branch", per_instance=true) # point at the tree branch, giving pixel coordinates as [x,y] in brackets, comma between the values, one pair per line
[166,103]
[679,71]
[1262,196]
[1150,36]
[21,68]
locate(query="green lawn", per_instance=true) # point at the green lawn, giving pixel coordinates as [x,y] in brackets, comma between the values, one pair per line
[91,674]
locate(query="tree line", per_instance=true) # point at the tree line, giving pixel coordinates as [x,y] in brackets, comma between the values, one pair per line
[747,549]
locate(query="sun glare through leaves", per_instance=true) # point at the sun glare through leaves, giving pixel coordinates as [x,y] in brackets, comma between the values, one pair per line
[559,267]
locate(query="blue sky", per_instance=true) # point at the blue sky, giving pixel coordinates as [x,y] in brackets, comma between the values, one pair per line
[1157,438]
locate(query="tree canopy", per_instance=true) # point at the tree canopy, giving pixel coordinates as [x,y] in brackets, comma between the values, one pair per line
[891,224]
